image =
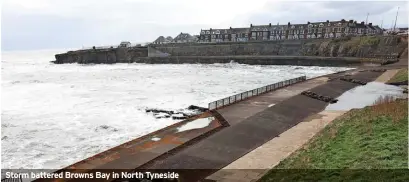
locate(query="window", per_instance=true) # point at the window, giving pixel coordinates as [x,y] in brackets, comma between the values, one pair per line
[253,34]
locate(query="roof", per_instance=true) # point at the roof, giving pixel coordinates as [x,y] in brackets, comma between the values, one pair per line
[160,39]
[169,38]
[240,30]
[260,28]
[183,36]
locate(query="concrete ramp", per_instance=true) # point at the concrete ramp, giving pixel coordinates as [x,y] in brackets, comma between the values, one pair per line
[153,52]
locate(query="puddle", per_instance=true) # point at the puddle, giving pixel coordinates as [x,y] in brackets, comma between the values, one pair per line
[366,95]
[271,105]
[196,124]
[155,139]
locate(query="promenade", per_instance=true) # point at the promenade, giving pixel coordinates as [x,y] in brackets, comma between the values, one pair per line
[232,135]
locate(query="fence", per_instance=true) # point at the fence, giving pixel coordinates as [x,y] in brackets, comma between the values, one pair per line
[109,46]
[19,179]
[258,91]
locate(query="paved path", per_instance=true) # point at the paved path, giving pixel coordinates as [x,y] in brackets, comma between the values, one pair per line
[385,77]
[235,141]
[257,162]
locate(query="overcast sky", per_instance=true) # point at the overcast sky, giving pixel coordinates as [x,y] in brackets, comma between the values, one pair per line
[54,24]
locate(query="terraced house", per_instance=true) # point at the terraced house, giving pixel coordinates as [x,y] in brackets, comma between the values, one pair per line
[327,29]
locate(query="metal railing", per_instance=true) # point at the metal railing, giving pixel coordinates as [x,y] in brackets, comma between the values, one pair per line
[19,179]
[258,91]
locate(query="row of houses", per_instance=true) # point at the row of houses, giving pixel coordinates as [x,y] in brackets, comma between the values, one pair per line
[328,29]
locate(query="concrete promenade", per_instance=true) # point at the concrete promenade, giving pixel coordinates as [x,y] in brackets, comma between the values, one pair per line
[250,131]
[233,132]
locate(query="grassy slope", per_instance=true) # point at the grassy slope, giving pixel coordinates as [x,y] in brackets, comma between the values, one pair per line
[370,138]
[401,76]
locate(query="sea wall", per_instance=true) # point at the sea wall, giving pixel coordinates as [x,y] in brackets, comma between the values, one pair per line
[366,46]
[380,47]
[262,60]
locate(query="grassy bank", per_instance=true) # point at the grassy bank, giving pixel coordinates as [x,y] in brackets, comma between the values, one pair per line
[401,76]
[373,138]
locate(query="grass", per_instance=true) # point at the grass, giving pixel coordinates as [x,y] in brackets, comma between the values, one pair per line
[401,76]
[360,146]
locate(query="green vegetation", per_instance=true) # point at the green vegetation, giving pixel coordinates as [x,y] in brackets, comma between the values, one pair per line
[369,40]
[401,76]
[373,138]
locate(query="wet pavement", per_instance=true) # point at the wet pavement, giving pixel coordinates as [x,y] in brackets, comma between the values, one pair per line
[231,143]
[211,143]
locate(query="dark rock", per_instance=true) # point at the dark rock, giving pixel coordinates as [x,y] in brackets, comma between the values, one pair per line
[353,81]
[399,83]
[319,97]
[193,107]
[105,127]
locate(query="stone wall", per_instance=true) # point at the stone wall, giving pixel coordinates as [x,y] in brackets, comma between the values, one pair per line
[288,47]
[361,47]
[261,60]
[370,46]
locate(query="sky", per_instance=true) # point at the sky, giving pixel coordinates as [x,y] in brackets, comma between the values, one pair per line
[58,24]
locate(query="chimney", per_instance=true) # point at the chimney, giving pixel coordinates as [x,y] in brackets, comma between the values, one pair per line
[251,25]
[289,23]
[308,23]
[230,28]
[362,23]
[210,29]
[370,24]
[269,24]
[327,21]
[351,21]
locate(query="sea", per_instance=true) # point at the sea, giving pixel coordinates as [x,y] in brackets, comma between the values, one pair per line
[55,115]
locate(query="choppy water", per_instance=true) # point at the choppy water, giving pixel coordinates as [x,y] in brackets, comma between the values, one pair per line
[55,115]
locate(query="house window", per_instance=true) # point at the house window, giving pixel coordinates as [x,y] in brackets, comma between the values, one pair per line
[265,34]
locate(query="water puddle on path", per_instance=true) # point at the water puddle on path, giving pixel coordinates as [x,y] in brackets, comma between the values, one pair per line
[196,124]
[366,95]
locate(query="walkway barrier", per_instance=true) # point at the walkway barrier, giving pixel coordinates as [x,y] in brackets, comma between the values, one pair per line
[12,179]
[245,95]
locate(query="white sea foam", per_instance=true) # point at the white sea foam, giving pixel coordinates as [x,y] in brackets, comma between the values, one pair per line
[55,115]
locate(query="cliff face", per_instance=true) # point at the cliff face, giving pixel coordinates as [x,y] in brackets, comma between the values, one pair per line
[362,47]
[102,56]
[373,46]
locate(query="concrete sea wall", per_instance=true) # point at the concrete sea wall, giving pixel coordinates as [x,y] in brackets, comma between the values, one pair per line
[262,60]
[298,52]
